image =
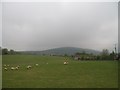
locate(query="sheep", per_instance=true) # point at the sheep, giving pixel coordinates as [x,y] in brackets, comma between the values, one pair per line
[36,64]
[5,69]
[12,68]
[28,67]
[16,68]
[66,62]
[46,63]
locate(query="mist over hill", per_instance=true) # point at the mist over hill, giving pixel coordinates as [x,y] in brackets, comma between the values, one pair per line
[63,51]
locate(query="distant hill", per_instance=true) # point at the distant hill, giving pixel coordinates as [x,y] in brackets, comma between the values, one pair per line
[63,51]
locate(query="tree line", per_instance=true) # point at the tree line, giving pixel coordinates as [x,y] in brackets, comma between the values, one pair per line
[104,55]
[5,51]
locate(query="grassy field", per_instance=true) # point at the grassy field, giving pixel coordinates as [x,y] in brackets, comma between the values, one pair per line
[77,74]
[0,71]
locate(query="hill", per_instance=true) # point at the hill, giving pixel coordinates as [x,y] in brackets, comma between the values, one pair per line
[63,51]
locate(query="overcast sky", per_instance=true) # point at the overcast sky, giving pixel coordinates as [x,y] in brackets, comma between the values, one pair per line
[44,25]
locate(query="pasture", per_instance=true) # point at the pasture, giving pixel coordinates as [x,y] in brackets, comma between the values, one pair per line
[52,73]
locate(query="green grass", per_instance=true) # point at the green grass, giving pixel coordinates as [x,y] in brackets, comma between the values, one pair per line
[77,74]
[0,72]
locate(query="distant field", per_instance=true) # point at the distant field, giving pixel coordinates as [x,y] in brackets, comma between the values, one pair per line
[77,74]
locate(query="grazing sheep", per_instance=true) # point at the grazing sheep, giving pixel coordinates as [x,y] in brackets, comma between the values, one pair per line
[36,64]
[46,63]
[16,68]
[65,63]
[28,67]
[5,69]
[12,68]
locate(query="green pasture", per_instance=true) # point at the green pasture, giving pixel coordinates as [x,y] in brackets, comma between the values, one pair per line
[77,74]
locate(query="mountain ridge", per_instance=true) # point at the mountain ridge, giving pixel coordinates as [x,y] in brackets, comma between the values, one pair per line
[63,51]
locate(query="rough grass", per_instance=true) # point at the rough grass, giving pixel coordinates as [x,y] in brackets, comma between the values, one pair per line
[77,74]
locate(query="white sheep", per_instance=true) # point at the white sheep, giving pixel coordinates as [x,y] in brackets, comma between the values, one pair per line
[5,69]
[65,63]
[28,67]
[36,64]
[16,68]
[12,68]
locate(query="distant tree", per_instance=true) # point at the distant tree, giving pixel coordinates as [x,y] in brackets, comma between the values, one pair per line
[112,55]
[118,56]
[91,54]
[83,52]
[5,51]
[105,54]
[65,55]
[77,53]
[82,58]
[43,54]
[11,52]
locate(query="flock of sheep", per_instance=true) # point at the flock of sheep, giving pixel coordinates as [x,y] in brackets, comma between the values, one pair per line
[16,67]
[6,67]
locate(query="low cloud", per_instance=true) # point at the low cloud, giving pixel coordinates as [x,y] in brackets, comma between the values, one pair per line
[40,26]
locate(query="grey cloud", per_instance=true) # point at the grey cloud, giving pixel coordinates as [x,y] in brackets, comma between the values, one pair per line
[38,26]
